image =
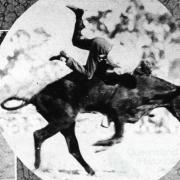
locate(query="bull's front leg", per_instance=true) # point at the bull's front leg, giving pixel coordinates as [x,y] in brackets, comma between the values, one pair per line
[37,148]
[73,147]
[116,138]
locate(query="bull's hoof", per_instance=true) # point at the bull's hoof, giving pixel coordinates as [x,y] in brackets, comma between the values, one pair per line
[90,171]
[78,12]
[108,142]
[36,164]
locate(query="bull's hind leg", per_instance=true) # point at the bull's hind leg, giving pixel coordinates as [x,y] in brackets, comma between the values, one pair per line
[73,147]
[118,128]
[173,112]
[116,138]
[39,137]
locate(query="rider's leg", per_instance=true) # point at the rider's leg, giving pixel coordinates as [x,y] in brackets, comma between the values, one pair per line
[127,80]
[78,39]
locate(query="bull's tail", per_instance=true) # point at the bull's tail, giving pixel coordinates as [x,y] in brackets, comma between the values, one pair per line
[24,103]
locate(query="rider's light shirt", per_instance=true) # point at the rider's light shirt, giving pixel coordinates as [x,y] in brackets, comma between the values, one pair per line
[104,56]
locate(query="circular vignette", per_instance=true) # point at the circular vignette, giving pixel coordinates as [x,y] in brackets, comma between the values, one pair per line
[171,5]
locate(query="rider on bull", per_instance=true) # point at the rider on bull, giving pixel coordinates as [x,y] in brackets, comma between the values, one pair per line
[101,56]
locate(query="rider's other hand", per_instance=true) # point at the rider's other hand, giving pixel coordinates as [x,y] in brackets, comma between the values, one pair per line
[54,58]
[110,71]
[59,58]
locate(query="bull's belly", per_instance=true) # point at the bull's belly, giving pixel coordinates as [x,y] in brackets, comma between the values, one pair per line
[140,111]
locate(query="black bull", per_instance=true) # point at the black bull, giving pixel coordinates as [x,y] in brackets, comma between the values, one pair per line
[60,102]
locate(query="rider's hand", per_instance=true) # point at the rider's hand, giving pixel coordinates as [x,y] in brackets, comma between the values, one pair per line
[54,58]
[61,57]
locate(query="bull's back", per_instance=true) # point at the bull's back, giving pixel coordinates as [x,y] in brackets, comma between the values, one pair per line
[151,84]
[66,89]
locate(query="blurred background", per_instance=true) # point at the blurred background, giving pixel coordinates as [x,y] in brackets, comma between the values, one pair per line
[144,28]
